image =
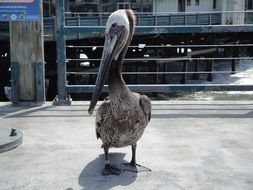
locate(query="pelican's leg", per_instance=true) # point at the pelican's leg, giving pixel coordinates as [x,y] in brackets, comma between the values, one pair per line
[133,166]
[109,169]
[133,161]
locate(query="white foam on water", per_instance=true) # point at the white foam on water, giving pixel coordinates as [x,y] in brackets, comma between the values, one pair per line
[243,75]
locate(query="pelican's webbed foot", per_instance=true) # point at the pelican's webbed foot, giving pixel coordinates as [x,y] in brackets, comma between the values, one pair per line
[133,167]
[111,170]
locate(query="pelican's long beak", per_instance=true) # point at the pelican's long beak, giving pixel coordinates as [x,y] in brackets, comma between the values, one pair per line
[111,48]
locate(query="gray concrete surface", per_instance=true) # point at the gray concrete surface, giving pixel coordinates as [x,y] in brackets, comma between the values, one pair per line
[188,145]
[8,141]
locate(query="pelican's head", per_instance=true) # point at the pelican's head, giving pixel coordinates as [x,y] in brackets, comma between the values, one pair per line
[118,33]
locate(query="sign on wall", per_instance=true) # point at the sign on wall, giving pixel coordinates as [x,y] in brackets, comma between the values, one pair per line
[20,10]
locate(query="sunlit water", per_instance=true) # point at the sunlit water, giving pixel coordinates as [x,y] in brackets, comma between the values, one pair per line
[244,75]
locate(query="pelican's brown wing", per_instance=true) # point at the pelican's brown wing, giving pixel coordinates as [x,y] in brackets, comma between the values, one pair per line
[102,116]
[146,106]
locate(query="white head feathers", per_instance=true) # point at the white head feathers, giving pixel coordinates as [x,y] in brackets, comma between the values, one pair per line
[120,17]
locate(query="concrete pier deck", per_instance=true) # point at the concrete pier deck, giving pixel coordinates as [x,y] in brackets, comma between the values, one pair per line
[189,145]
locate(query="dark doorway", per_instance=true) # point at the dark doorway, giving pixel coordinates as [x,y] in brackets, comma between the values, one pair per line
[249,4]
[181,5]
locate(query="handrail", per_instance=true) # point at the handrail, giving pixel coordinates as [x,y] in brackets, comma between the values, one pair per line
[156,73]
[171,59]
[166,88]
[147,19]
[171,46]
[168,13]
[75,23]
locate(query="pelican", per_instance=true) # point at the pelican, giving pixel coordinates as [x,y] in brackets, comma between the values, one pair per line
[122,118]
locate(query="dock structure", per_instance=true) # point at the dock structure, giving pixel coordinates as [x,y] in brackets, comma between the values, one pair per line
[182,16]
[150,27]
[188,145]
[190,35]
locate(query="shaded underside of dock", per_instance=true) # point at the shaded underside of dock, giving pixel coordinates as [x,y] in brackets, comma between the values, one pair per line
[188,145]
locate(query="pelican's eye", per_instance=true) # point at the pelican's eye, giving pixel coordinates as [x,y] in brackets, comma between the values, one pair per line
[114,25]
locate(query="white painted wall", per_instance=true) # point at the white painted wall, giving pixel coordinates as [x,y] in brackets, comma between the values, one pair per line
[239,5]
[164,6]
[172,6]
[221,5]
[204,5]
[234,18]
[160,6]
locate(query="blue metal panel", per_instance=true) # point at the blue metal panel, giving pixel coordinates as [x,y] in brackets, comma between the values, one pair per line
[20,10]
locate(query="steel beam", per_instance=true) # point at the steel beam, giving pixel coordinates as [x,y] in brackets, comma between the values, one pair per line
[166,88]
[62,97]
[164,29]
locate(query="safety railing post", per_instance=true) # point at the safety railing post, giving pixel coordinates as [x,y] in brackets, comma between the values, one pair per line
[61,98]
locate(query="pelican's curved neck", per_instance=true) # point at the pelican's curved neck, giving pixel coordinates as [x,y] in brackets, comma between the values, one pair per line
[115,79]
[116,82]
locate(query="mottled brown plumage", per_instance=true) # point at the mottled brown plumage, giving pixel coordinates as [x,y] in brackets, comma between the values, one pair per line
[121,121]
[122,118]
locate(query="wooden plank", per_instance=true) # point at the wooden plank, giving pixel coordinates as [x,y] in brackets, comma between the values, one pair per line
[27,47]
[14,82]
[40,82]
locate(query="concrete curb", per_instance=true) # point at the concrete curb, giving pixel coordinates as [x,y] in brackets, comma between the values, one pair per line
[8,142]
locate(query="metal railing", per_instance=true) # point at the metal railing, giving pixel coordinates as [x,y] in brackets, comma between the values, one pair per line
[148,19]
[97,21]
[166,18]
[66,26]
[156,62]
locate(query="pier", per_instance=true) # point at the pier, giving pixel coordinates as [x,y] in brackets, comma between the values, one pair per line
[188,145]
[183,54]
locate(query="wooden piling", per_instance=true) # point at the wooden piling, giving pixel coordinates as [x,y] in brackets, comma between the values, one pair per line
[26,48]
[14,82]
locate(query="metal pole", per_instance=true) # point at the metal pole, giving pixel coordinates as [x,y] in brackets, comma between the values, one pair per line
[195,75]
[61,98]
[210,69]
[184,75]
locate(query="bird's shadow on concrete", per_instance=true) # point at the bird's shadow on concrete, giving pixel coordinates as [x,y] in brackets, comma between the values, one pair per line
[92,178]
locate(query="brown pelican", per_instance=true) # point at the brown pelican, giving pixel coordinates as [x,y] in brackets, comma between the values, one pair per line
[121,118]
